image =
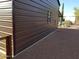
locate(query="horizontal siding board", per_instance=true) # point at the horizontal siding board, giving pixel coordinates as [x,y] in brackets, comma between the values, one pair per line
[28,7]
[52,4]
[28,27]
[41,12]
[32,40]
[41,4]
[28,38]
[29,13]
[6,17]
[7,30]
[31,28]
[33,4]
[9,24]
[25,10]
[19,23]
[30,31]
[46,2]
[30,21]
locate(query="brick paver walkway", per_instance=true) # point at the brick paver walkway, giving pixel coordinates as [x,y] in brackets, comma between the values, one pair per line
[63,44]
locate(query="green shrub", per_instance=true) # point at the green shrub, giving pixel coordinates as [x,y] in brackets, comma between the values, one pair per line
[67,23]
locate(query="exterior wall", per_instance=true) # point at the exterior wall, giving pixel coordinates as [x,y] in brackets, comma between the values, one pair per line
[31,22]
[5,17]
[5,26]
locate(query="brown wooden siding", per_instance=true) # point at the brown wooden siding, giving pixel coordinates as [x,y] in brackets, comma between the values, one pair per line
[30,21]
[6,17]
[5,27]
